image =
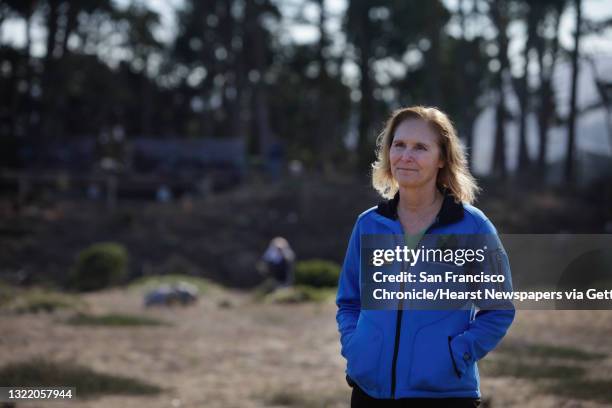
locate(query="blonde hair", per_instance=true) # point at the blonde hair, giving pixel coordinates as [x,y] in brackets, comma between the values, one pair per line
[455,176]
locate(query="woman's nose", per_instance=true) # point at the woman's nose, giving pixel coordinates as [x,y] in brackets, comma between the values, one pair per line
[408,155]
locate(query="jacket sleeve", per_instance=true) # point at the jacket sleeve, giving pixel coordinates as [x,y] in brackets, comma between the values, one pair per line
[348,298]
[493,319]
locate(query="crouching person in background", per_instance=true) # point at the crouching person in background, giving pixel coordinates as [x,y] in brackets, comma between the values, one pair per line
[277,262]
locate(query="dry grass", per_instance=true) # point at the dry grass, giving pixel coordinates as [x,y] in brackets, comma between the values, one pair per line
[229,350]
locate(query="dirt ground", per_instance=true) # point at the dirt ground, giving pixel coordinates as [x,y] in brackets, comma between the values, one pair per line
[250,354]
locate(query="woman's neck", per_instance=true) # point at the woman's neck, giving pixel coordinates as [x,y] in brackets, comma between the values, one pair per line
[417,208]
[415,200]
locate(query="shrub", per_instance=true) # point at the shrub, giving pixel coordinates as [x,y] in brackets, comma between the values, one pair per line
[299,294]
[99,266]
[7,293]
[317,273]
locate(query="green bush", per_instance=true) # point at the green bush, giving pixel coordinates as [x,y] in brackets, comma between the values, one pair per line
[7,293]
[299,294]
[99,266]
[317,273]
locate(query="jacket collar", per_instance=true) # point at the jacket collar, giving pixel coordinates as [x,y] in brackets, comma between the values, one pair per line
[450,212]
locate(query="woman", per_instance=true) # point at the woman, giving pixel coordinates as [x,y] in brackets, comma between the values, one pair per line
[406,357]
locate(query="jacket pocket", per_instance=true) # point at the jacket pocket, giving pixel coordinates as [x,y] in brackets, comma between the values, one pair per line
[363,353]
[433,367]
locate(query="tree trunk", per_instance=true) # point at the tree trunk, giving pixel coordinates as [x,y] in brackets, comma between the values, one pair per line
[49,119]
[571,123]
[51,31]
[499,151]
[545,93]
[433,65]
[69,26]
[206,118]
[523,94]
[466,121]
[364,148]
[146,111]
[499,17]
[237,122]
[324,111]
[260,101]
[27,98]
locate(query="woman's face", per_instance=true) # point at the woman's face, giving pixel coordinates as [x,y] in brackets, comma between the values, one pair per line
[415,154]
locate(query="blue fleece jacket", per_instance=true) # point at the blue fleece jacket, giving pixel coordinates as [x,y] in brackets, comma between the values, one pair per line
[415,353]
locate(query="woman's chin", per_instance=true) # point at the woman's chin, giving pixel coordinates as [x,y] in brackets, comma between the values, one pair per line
[410,183]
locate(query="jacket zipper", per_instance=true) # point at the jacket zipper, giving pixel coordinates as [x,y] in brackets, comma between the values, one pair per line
[398,329]
[398,322]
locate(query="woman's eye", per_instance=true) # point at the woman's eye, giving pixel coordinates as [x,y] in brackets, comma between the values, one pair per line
[420,147]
